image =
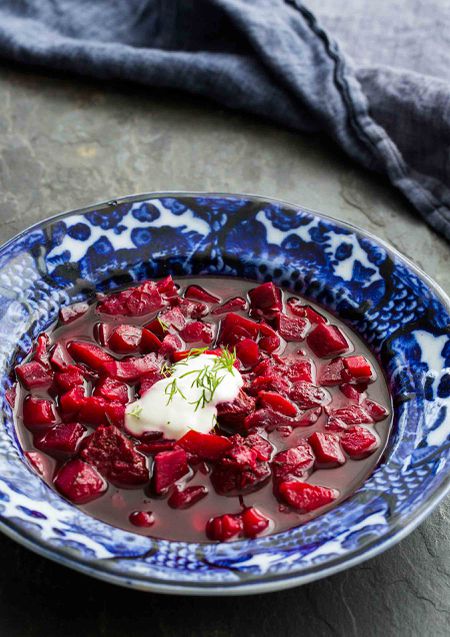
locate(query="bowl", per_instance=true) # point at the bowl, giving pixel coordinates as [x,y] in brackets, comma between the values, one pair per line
[401,314]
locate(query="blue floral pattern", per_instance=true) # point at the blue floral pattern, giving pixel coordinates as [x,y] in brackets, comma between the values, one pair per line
[402,316]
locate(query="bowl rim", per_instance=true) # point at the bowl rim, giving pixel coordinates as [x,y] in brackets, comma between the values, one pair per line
[263,583]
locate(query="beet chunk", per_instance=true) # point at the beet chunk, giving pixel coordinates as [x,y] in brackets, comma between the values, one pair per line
[235,328]
[115,456]
[300,370]
[237,303]
[376,411]
[112,390]
[205,446]
[359,442]
[333,374]
[327,448]
[359,368]
[79,482]
[72,312]
[90,354]
[183,499]
[142,519]
[293,463]
[265,300]
[61,439]
[131,369]
[253,522]
[168,467]
[224,527]
[68,378]
[307,395]
[197,332]
[170,345]
[277,403]
[38,413]
[351,415]
[200,294]
[247,351]
[327,340]
[233,414]
[306,497]
[71,401]
[125,339]
[137,301]
[33,375]
[270,340]
[240,469]
[292,328]
[296,306]
[41,354]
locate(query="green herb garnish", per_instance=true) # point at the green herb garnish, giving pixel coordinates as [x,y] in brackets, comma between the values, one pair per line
[136,411]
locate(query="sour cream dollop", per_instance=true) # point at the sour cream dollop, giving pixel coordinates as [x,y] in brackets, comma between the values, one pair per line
[176,412]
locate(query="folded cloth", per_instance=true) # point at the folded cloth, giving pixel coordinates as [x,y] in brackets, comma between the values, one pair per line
[269,57]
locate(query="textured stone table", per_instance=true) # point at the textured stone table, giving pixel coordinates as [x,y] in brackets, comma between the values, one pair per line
[65,143]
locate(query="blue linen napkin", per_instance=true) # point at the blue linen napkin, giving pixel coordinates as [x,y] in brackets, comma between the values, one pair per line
[269,57]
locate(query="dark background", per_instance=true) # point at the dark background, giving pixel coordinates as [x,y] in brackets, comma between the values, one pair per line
[66,143]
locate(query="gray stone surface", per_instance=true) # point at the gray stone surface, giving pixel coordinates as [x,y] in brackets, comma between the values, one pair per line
[65,143]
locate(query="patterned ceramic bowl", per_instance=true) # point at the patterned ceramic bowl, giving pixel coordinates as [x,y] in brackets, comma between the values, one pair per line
[400,313]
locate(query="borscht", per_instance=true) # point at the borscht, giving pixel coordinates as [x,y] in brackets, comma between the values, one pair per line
[207,409]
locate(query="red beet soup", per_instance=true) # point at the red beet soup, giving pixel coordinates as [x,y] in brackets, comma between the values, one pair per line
[205,409]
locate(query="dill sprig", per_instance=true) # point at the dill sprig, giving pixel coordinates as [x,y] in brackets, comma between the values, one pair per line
[163,324]
[136,411]
[172,389]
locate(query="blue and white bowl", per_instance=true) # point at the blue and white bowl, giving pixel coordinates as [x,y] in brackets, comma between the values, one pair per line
[398,310]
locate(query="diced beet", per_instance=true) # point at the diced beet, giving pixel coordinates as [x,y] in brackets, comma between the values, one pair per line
[146,382]
[265,300]
[71,402]
[333,374]
[200,294]
[125,339]
[270,340]
[59,358]
[115,456]
[235,328]
[234,413]
[156,446]
[38,413]
[149,342]
[41,353]
[168,467]
[308,418]
[376,411]
[131,369]
[172,318]
[358,442]
[158,328]
[205,446]
[254,522]
[358,367]
[142,519]
[197,332]
[71,376]
[181,355]
[61,439]
[79,482]
[350,392]
[307,395]
[351,415]
[98,411]
[167,287]
[10,395]
[296,306]
[235,304]
[300,370]
[327,340]
[335,424]
[137,301]
[260,445]
[193,309]
[112,390]
[171,343]
[293,463]
[103,332]
[326,448]
[183,499]
[277,403]
[240,469]
[306,497]
[33,375]
[72,312]
[90,354]
[271,383]
[36,460]
[224,527]
[292,328]
[247,351]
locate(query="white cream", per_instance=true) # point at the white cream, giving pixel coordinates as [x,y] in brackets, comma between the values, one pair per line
[175,417]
